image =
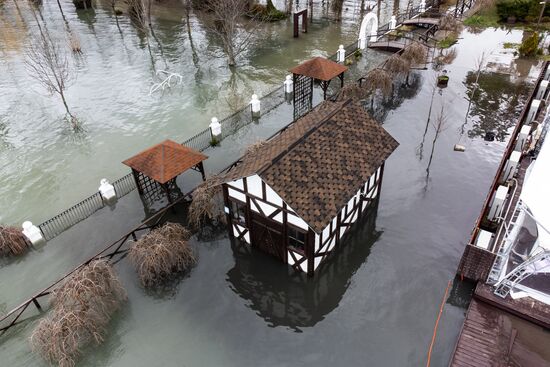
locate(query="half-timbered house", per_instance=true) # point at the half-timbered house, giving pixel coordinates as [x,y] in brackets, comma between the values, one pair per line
[296,195]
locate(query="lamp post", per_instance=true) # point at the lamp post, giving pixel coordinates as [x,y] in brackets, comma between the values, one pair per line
[543,3]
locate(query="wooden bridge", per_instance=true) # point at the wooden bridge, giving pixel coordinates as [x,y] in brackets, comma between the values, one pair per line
[420,21]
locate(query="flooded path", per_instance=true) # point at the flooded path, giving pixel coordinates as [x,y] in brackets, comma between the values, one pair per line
[377,302]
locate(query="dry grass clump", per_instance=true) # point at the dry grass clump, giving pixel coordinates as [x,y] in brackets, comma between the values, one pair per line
[81,310]
[379,79]
[207,203]
[161,253]
[415,53]
[450,23]
[253,148]
[74,42]
[352,90]
[397,65]
[12,241]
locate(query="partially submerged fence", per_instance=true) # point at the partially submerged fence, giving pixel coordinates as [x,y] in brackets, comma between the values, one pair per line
[201,141]
[126,184]
[114,253]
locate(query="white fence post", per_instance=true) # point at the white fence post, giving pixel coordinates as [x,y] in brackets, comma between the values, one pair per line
[215,130]
[255,105]
[341,54]
[288,84]
[33,233]
[107,190]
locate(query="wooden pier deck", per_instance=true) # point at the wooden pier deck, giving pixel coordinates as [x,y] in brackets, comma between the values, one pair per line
[527,308]
[492,337]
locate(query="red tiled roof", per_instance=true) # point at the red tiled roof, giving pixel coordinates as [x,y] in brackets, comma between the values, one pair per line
[319,68]
[165,161]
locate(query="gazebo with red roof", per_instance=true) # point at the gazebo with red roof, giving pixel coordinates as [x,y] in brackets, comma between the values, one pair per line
[320,69]
[159,166]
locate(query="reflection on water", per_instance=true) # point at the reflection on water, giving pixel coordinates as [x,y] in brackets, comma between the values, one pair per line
[43,173]
[284,297]
[496,103]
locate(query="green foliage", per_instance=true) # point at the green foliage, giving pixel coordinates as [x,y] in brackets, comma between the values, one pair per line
[530,45]
[348,62]
[521,10]
[518,9]
[447,41]
[358,54]
[214,142]
[482,20]
[268,12]
[510,45]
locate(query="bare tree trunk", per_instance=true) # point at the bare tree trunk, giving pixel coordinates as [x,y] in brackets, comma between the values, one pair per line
[193,50]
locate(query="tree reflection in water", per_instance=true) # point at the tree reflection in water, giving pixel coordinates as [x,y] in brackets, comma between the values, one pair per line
[496,104]
[283,297]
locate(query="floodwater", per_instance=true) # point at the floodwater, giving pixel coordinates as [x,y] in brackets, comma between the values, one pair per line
[46,168]
[377,300]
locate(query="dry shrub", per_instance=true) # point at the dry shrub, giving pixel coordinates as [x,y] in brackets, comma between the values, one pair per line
[253,148]
[12,241]
[206,202]
[352,90]
[415,53]
[379,79]
[161,253]
[81,310]
[74,42]
[450,23]
[397,65]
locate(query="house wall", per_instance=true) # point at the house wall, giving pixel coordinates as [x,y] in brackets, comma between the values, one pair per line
[329,238]
[259,197]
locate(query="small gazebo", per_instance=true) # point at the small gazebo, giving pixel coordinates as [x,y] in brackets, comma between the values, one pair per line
[156,169]
[317,68]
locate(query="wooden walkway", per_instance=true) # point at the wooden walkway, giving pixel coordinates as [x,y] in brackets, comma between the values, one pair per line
[387,45]
[527,308]
[421,20]
[491,337]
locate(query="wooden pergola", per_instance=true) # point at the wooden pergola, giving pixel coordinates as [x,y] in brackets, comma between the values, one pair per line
[156,169]
[320,69]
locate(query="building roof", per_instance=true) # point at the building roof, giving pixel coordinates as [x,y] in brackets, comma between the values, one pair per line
[318,163]
[165,161]
[319,68]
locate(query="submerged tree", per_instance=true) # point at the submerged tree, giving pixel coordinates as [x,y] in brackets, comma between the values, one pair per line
[48,63]
[439,125]
[229,24]
[415,53]
[397,65]
[12,241]
[161,253]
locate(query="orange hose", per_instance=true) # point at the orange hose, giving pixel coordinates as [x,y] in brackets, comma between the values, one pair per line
[437,323]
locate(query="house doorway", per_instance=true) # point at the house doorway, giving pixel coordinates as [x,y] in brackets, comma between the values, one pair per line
[267,235]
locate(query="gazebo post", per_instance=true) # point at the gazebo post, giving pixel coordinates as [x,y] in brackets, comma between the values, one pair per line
[324,87]
[201,170]
[341,76]
[167,191]
[136,179]
[311,92]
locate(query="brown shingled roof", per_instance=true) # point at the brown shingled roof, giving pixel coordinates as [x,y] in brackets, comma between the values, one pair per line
[319,68]
[165,161]
[318,163]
